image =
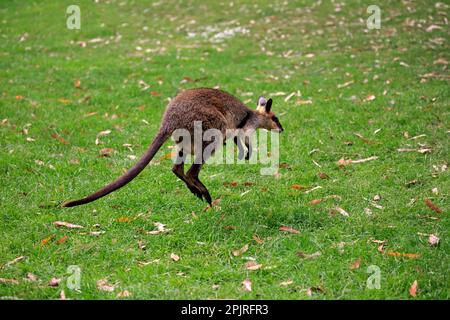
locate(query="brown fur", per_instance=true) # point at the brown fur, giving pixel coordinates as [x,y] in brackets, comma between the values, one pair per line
[216,109]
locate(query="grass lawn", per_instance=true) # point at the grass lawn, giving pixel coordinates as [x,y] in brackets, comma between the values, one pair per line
[358,93]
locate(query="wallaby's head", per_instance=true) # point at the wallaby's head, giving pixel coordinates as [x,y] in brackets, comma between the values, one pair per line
[268,120]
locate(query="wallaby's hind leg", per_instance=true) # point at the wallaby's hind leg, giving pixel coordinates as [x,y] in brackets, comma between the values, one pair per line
[178,170]
[192,173]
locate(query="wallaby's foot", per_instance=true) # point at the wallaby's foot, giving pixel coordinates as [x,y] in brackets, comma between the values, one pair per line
[195,191]
[203,190]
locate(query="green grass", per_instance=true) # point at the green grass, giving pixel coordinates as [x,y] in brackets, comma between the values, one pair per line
[271,57]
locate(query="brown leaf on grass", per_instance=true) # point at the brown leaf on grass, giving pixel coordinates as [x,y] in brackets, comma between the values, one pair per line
[381,244]
[257,239]
[124,219]
[440,61]
[309,255]
[155,93]
[314,202]
[160,228]
[106,152]
[47,240]
[312,290]
[433,240]
[339,210]
[365,140]
[230,227]
[103,285]
[77,83]
[355,264]
[101,134]
[124,294]
[174,257]
[168,155]
[288,229]
[286,283]
[213,204]
[323,175]
[59,138]
[64,101]
[297,187]
[67,225]
[413,289]
[32,277]
[247,285]
[9,281]
[432,206]
[401,254]
[54,282]
[248,184]
[343,162]
[252,265]
[232,184]
[370,97]
[141,245]
[240,251]
[62,240]
[14,261]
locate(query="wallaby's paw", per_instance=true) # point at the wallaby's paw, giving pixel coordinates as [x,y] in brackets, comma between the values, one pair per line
[196,192]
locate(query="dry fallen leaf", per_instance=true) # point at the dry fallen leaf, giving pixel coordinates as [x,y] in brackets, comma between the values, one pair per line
[355,264]
[124,219]
[47,240]
[247,285]
[240,251]
[432,206]
[14,261]
[67,225]
[77,83]
[62,295]
[103,285]
[314,202]
[323,175]
[312,290]
[340,210]
[401,254]
[54,282]
[309,256]
[59,138]
[297,187]
[286,283]
[370,97]
[288,229]
[343,162]
[62,240]
[213,204]
[31,276]
[257,239]
[124,294]
[160,228]
[413,289]
[252,265]
[433,240]
[11,281]
[174,257]
[106,152]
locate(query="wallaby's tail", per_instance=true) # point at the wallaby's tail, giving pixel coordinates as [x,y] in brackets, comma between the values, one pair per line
[160,138]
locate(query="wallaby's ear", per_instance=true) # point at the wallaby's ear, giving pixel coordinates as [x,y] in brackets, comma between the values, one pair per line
[261,105]
[268,105]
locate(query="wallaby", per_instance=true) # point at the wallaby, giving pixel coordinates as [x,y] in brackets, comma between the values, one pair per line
[215,109]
